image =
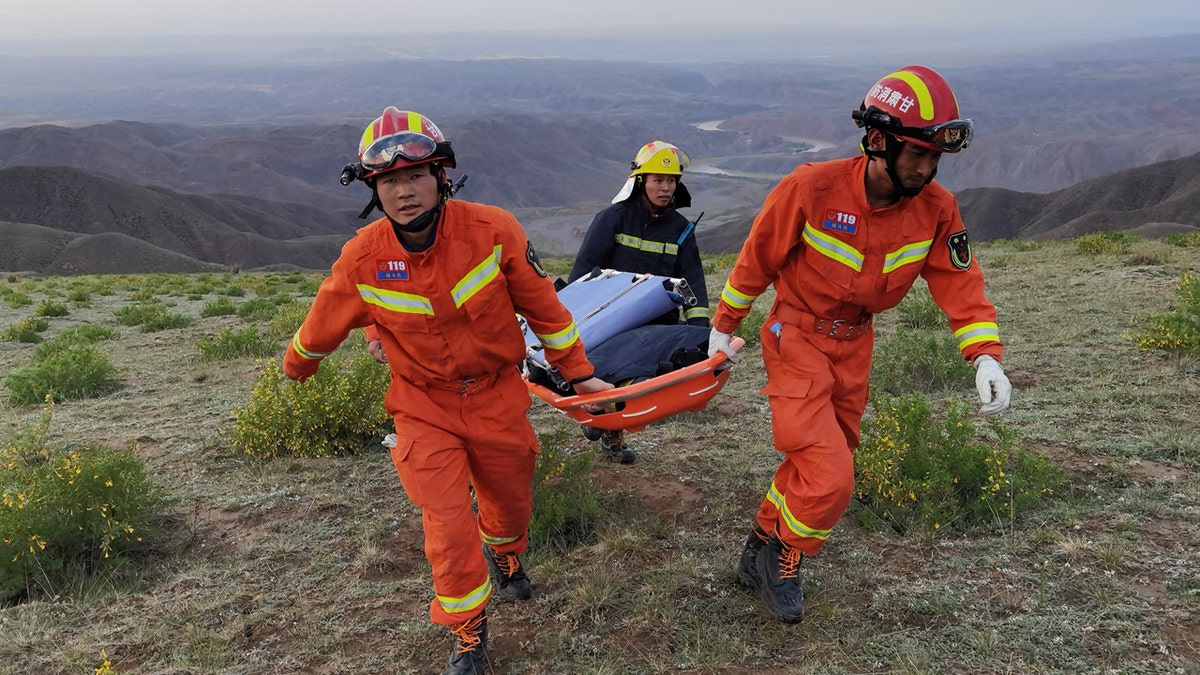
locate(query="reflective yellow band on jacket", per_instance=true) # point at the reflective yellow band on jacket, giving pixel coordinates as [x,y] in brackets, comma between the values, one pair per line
[833,248]
[477,278]
[798,528]
[560,340]
[646,245]
[496,541]
[735,298]
[697,313]
[467,602]
[395,301]
[984,331]
[304,353]
[915,252]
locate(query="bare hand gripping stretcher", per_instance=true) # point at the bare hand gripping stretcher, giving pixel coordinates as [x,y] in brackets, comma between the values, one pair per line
[667,365]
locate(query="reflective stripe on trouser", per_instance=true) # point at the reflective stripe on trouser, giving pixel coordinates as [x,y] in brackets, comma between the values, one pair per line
[445,441]
[817,388]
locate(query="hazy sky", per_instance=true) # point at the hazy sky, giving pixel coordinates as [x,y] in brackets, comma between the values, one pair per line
[38,20]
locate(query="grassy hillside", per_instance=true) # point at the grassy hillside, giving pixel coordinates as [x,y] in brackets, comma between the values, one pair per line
[315,565]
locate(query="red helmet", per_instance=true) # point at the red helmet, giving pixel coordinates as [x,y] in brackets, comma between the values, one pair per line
[916,104]
[400,138]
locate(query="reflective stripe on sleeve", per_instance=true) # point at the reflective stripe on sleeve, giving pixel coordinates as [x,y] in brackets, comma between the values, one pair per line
[304,353]
[560,340]
[735,298]
[983,331]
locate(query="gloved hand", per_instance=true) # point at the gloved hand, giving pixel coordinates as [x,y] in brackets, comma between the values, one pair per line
[992,384]
[719,342]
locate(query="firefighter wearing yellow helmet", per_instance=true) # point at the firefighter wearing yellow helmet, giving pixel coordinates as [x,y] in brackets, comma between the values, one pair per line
[643,232]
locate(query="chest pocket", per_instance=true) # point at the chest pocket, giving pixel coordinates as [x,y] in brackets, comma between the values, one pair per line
[482,290]
[902,266]
[401,312]
[834,259]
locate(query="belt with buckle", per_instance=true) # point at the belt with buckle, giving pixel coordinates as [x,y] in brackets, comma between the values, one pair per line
[466,386]
[836,329]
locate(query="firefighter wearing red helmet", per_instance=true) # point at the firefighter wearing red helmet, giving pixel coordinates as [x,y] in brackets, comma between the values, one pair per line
[443,280]
[841,241]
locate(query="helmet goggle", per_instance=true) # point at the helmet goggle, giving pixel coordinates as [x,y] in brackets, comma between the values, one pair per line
[407,145]
[949,136]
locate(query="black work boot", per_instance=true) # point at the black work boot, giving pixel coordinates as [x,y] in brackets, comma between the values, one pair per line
[779,585]
[510,578]
[748,565]
[613,444]
[592,433]
[470,648]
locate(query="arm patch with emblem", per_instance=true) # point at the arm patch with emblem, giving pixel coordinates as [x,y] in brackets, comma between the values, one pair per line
[960,250]
[532,258]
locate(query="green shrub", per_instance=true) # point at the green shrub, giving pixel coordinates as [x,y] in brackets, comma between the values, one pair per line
[219,307]
[918,310]
[74,373]
[565,509]
[338,411]
[262,309]
[74,337]
[166,321]
[69,512]
[50,308]
[17,299]
[1102,243]
[908,361]
[916,472]
[28,331]
[1183,239]
[150,317]
[1178,331]
[286,321]
[140,313]
[82,297]
[142,295]
[230,344]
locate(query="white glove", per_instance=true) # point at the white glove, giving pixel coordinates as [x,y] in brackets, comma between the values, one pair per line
[719,342]
[993,385]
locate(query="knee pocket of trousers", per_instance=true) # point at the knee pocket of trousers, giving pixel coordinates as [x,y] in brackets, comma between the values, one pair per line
[403,461]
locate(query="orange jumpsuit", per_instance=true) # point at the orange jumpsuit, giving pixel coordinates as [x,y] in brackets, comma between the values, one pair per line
[835,260]
[447,320]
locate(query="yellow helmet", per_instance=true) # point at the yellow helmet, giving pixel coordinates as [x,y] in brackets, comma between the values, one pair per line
[660,157]
[657,157]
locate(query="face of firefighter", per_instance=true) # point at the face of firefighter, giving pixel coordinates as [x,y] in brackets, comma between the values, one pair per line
[914,165]
[660,188]
[408,192]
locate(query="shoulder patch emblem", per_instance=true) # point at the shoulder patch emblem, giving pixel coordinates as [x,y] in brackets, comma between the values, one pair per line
[531,256]
[960,250]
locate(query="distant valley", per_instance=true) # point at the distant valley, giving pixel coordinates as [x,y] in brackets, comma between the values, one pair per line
[180,164]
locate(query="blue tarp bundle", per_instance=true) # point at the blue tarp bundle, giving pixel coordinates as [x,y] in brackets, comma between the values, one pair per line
[608,306]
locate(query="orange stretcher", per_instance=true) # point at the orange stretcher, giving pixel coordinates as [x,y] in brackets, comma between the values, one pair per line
[605,304]
[634,406]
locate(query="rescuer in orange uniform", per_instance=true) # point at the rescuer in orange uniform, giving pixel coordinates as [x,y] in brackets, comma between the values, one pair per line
[842,240]
[443,280]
